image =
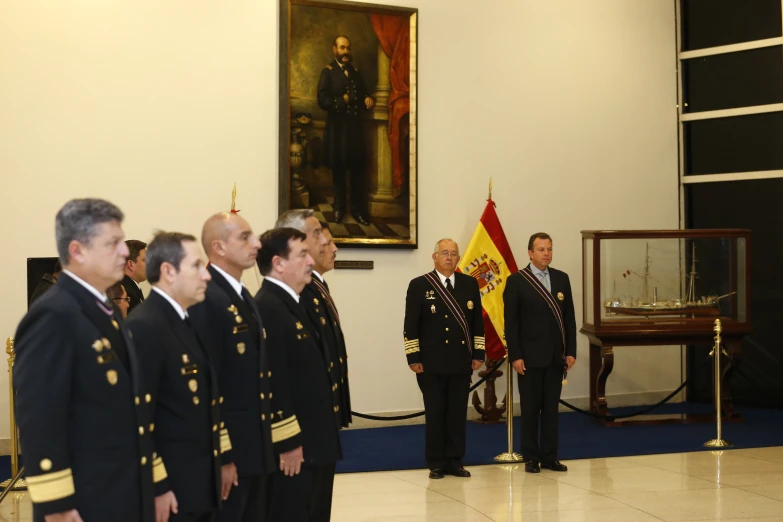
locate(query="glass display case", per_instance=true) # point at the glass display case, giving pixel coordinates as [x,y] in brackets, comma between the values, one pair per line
[664,279]
[663,287]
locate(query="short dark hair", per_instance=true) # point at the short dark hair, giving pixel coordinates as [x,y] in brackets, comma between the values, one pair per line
[115,290]
[78,220]
[134,248]
[537,235]
[165,247]
[274,242]
[325,226]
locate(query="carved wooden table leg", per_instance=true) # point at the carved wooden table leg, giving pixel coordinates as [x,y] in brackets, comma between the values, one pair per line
[607,363]
[601,364]
[595,369]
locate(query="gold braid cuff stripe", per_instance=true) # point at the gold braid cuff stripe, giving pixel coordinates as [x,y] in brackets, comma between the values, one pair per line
[158,470]
[285,429]
[52,486]
[225,441]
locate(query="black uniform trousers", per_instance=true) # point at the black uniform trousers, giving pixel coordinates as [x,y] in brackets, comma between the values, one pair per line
[445,416]
[249,501]
[210,516]
[539,391]
[358,189]
[306,497]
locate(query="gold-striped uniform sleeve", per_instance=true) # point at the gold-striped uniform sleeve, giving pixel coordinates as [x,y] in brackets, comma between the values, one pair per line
[411,346]
[158,470]
[285,429]
[478,343]
[51,486]
[225,441]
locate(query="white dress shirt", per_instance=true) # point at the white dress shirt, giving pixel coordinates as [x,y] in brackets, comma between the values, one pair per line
[283,286]
[94,291]
[177,307]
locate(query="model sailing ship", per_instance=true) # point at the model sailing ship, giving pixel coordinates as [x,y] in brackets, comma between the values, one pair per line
[650,306]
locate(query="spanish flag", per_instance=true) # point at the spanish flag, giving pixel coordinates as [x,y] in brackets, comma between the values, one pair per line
[488,258]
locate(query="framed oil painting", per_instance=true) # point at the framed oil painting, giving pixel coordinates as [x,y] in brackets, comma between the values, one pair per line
[348,119]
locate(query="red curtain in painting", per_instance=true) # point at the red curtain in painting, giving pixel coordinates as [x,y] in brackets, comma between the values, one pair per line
[394,35]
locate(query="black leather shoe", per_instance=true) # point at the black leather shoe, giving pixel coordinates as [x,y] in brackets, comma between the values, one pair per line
[554,466]
[360,219]
[461,472]
[436,474]
[338,216]
[532,467]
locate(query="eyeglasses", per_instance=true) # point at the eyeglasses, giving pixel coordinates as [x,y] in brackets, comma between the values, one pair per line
[126,299]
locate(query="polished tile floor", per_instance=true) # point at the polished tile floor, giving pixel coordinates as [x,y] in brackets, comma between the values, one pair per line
[734,485]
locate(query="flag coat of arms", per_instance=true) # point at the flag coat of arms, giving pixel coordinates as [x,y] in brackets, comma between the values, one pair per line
[489,260]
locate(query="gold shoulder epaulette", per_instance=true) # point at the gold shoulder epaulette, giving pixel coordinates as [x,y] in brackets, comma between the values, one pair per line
[328,67]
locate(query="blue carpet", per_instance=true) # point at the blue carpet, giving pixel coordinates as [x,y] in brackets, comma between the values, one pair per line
[402,447]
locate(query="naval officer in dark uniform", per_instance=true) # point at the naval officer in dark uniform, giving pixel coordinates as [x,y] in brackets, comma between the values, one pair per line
[343,94]
[180,377]
[47,281]
[307,417]
[318,300]
[231,327]
[81,404]
[541,335]
[444,343]
[135,272]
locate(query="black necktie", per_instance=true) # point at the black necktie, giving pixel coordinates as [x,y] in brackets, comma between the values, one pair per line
[249,302]
[448,285]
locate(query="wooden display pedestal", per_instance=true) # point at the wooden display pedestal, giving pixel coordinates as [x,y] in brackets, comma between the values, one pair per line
[630,332]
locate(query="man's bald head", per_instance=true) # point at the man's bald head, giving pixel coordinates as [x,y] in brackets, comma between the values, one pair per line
[218,226]
[229,242]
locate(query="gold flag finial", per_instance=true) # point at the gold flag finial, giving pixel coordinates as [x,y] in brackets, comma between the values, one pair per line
[234,199]
[490,190]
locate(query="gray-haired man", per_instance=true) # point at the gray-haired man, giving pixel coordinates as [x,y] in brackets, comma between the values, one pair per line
[81,405]
[319,303]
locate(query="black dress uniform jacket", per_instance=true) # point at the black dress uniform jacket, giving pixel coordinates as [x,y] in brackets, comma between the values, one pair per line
[306,401]
[133,291]
[433,336]
[47,281]
[185,407]
[237,346]
[343,136]
[323,313]
[532,332]
[81,405]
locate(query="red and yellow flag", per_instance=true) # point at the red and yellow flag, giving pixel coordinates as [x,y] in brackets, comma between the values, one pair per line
[488,258]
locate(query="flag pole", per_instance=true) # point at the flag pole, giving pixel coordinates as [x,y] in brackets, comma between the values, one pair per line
[489,198]
[509,456]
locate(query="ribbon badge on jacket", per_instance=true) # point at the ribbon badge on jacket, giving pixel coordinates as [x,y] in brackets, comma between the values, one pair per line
[452,305]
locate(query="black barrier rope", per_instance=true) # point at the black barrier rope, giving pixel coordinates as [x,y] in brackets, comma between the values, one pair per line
[610,418]
[644,410]
[419,414]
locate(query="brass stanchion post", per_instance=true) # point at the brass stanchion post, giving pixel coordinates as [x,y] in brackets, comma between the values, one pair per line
[509,456]
[13,483]
[716,352]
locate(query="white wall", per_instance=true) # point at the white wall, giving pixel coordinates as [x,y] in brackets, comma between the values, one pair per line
[162,106]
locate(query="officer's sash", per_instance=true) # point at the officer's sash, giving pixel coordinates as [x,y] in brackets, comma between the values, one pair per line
[550,301]
[328,298]
[452,305]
